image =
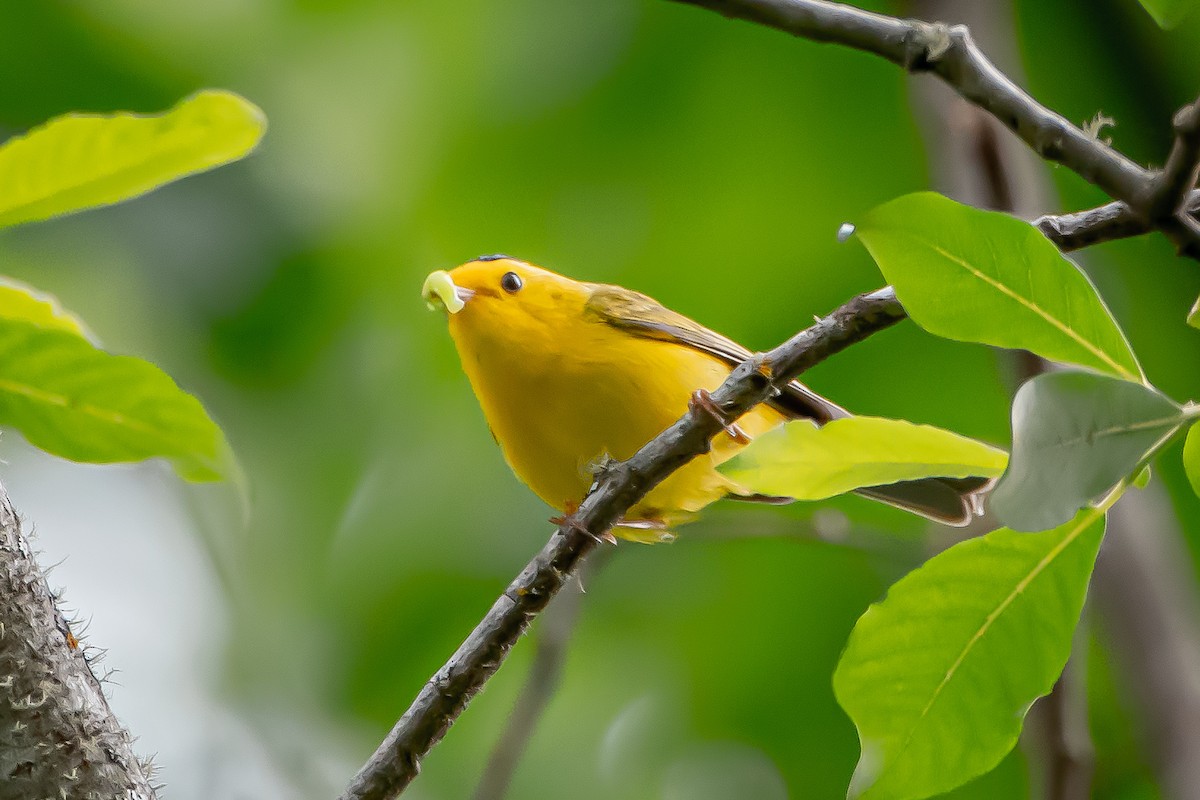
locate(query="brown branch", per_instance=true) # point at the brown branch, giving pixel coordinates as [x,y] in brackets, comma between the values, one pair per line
[58,737]
[1115,220]
[949,52]
[1169,191]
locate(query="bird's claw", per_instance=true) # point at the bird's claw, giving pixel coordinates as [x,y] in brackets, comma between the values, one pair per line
[569,521]
[701,399]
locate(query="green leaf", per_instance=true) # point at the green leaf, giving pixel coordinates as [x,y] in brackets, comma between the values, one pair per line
[1142,479]
[76,401]
[982,276]
[1168,13]
[1075,436]
[21,302]
[79,161]
[1193,317]
[1191,457]
[807,462]
[939,675]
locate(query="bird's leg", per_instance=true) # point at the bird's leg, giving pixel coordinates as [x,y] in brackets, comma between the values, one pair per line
[702,400]
[568,519]
[648,524]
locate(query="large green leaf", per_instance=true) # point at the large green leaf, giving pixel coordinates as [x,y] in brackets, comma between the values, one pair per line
[807,462]
[1191,456]
[1168,13]
[982,276]
[938,676]
[79,161]
[21,302]
[1076,435]
[75,401]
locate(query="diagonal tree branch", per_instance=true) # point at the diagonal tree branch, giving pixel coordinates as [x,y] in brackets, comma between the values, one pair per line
[1169,192]
[949,52]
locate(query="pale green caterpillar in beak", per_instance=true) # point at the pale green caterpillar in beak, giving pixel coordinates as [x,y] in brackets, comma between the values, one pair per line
[440,291]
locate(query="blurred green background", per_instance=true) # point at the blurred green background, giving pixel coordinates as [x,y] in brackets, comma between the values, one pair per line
[706,162]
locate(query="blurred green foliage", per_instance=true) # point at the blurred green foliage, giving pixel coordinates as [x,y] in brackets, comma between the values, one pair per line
[705,162]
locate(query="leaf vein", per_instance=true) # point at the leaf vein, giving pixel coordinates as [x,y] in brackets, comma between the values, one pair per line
[1036,309]
[1020,587]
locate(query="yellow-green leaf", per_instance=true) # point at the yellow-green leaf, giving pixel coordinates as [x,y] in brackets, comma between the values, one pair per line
[1142,479]
[1193,317]
[1191,456]
[1168,13]
[807,462]
[939,675]
[76,401]
[983,276]
[79,161]
[19,301]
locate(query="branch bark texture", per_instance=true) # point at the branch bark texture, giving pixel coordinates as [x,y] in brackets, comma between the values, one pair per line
[1178,176]
[58,737]
[949,52]
[1115,220]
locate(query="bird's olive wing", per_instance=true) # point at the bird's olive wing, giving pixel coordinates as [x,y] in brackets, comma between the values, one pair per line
[644,316]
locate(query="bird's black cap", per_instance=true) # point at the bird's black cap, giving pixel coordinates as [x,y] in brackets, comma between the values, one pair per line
[493,257]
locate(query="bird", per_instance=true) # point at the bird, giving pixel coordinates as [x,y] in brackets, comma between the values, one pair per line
[571,375]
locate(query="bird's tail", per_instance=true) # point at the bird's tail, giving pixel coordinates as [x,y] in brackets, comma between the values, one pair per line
[951,501]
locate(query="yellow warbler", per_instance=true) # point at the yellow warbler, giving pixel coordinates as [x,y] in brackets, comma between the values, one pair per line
[570,373]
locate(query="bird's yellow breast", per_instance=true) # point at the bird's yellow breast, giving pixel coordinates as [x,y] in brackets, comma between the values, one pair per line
[562,391]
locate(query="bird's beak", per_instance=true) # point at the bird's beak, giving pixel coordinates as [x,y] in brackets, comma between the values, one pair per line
[440,291]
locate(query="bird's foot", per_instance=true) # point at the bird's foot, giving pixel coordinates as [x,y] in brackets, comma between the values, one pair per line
[643,524]
[568,520]
[661,531]
[703,400]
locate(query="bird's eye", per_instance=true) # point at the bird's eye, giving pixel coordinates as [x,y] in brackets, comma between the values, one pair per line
[511,282]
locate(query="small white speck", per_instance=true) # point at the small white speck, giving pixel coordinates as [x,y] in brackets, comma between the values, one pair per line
[845,231]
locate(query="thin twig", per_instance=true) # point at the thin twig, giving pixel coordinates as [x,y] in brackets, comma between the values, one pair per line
[1171,188]
[1115,220]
